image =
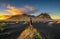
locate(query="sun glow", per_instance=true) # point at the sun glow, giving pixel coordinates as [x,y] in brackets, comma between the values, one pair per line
[3,17]
[55,17]
[13,10]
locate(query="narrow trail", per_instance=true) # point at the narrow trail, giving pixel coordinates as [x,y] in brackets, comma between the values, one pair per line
[30,33]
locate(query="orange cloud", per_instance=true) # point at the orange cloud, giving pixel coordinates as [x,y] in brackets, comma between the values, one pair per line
[14,10]
[19,11]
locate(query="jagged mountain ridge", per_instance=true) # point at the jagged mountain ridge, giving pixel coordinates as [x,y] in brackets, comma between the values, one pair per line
[25,17]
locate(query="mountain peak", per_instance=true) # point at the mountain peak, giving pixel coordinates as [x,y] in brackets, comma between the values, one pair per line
[44,15]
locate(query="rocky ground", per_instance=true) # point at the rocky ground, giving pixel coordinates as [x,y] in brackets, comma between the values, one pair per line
[13,31]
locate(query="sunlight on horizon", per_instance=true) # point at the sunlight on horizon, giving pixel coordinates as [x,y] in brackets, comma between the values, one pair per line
[55,17]
[5,16]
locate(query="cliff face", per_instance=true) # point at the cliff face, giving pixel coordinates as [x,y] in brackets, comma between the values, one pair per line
[18,17]
[44,17]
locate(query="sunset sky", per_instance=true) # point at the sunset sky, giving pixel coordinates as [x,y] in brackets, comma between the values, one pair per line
[34,7]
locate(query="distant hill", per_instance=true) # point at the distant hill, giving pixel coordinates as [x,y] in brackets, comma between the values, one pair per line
[57,21]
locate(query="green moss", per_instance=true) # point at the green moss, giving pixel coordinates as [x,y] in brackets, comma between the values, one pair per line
[1,29]
[2,25]
[37,35]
